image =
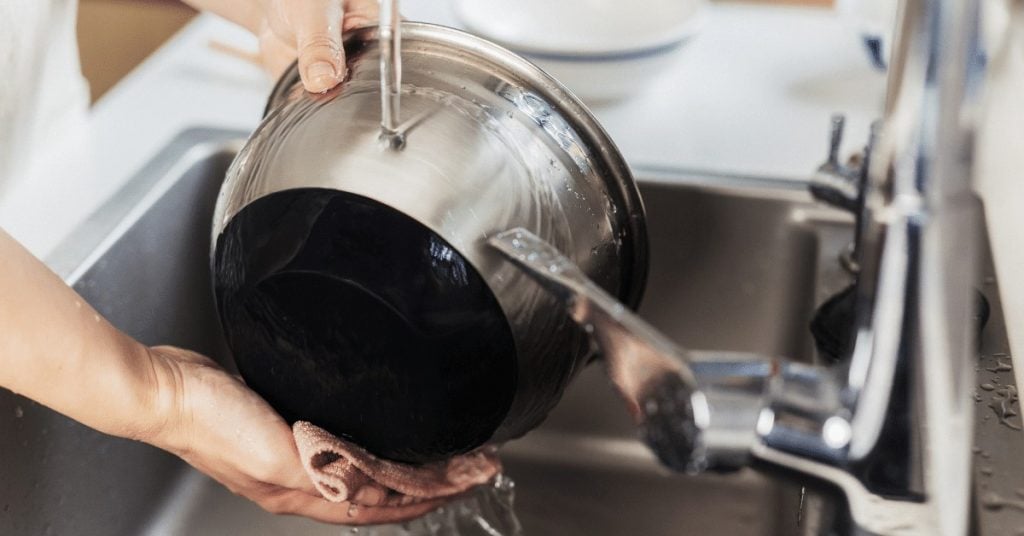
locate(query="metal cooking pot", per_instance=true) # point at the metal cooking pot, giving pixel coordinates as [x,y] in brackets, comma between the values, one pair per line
[486,142]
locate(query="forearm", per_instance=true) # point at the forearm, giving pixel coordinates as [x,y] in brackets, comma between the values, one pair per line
[58,351]
[245,13]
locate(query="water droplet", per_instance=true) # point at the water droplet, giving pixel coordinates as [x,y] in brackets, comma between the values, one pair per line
[987,471]
[987,386]
[18,412]
[1000,366]
[354,530]
[353,509]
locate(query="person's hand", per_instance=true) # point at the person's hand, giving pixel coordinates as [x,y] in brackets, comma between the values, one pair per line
[310,30]
[214,422]
[59,351]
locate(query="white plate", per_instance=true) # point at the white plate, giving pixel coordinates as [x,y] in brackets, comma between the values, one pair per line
[603,50]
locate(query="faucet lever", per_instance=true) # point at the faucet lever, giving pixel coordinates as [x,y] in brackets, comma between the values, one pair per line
[836,138]
[835,183]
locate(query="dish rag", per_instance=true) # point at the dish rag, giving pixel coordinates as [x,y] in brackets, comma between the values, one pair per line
[343,471]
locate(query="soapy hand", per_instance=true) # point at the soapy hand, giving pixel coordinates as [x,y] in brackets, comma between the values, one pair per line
[213,421]
[310,30]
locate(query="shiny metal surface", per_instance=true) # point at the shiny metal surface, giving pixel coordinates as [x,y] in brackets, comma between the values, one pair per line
[738,265]
[142,261]
[911,363]
[390,45]
[901,400]
[490,142]
[836,183]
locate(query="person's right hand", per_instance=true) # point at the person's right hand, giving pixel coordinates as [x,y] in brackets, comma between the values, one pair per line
[213,421]
[310,30]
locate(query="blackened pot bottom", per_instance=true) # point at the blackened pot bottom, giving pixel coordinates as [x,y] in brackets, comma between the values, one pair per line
[351,315]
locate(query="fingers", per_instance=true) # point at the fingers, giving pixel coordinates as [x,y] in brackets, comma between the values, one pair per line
[317,28]
[311,30]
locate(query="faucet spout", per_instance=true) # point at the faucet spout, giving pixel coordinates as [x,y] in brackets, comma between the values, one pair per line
[900,399]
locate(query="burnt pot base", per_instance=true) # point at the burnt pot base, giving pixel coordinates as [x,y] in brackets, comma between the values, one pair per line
[349,314]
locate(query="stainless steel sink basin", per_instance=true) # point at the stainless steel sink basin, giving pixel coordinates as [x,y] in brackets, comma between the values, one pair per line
[738,264]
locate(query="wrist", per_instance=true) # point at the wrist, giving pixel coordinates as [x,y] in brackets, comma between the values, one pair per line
[160,401]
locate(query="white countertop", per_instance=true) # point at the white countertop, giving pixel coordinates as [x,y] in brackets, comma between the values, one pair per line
[751,94]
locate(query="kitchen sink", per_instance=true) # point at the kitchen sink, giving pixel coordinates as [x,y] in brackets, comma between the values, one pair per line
[737,264]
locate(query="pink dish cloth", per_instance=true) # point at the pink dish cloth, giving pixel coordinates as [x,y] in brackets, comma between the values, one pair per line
[343,471]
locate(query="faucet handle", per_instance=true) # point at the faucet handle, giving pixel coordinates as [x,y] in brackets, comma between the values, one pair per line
[836,139]
[834,183]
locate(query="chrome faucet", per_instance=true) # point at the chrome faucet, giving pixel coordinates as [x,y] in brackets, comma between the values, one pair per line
[902,396]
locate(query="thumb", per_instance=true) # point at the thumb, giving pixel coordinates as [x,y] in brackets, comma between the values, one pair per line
[317,27]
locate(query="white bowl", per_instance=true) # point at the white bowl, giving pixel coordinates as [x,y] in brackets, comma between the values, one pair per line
[602,50]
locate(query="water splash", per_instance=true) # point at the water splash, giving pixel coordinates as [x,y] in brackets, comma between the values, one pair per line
[487,511]
[1000,366]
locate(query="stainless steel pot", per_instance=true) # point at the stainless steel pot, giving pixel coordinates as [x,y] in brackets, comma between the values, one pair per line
[486,142]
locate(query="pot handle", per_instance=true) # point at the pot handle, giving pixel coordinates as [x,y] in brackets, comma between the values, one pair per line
[389,38]
[651,374]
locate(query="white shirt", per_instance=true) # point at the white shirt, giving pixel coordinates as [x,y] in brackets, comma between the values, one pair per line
[43,96]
